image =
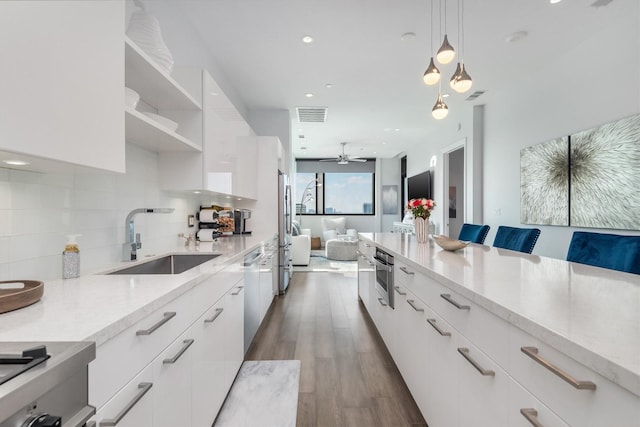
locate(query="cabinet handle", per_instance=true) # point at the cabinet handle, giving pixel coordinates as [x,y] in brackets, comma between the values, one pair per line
[215,316]
[239,289]
[382,303]
[404,270]
[165,318]
[413,305]
[432,322]
[111,422]
[531,415]
[174,359]
[465,353]
[532,352]
[455,303]
[397,288]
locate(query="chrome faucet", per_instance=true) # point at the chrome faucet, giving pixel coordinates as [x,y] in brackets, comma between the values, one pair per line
[132,239]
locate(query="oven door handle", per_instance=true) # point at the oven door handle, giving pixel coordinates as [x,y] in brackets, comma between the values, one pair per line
[382,266]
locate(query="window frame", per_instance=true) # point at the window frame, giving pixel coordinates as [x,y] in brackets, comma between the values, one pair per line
[320,207]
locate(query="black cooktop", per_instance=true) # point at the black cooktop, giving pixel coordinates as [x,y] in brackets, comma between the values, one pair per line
[12,365]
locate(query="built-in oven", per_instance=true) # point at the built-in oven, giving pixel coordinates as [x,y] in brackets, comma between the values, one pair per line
[384,276]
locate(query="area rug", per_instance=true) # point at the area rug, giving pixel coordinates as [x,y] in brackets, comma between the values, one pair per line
[322,264]
[265,393]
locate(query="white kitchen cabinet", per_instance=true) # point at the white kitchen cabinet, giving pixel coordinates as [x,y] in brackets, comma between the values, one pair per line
[366,273]
[524,409]
[210,379]
[234,338]
[132,406]
[483,387]
[62,82]
[267,266]
[228,164]
[172,381]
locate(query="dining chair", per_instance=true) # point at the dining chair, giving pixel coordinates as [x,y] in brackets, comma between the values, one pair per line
[516,239]
[611,251]
[473,233]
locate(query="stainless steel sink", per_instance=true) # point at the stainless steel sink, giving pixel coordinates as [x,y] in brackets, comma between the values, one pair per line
[170,264]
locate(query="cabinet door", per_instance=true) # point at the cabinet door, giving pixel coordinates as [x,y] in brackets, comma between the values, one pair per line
[364,276]
[266,284]
[524,409]
[62,81]
[209,377]
[172,381]
[132,406]
[234,339]
[482,388]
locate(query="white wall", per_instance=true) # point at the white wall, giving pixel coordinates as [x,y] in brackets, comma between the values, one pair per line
[38,210]
[595,83]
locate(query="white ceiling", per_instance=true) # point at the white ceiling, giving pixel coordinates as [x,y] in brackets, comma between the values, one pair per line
[377,77]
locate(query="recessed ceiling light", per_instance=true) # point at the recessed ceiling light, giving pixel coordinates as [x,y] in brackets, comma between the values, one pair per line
[374,152]
[328,85]
[554,1]
[517,36]
[239,198]
[384,143]
[307,39]
[214,93]
[408,36]
[308,95]
[16,162]
[196,192]
[227,197]
[397,130]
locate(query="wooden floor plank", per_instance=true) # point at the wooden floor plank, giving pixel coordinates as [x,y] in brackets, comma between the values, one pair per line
[347,376]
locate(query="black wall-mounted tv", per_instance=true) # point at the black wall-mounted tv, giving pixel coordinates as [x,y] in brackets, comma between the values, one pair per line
[420,186]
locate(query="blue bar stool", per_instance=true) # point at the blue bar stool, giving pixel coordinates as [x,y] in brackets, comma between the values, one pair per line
[473,233]
[516,239]
[611,251]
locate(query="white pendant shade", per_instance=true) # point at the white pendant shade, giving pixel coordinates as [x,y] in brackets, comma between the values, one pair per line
[446,53]
[432,74]
[461,81]
[440,110]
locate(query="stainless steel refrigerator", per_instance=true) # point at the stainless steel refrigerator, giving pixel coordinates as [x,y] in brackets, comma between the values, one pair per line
[284,232]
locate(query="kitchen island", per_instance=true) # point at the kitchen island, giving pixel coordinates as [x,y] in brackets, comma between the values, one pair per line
[505,313]
[168,345]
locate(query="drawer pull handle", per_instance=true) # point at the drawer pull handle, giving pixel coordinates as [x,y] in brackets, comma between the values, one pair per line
[215,316]
[455,303]
[397,288]
[165,318]
[111,422]
[531,415]
[174,359]
[239,289]
[432,322]
[532,352]
[404,270]
[486,372]
[413,305]
[382,303]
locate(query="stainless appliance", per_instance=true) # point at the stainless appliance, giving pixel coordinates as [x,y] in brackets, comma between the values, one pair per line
[240,217]
[384,276]
[45,384]
[284,232]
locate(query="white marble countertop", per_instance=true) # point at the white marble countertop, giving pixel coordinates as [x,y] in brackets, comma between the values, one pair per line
[591,314]
[97,307]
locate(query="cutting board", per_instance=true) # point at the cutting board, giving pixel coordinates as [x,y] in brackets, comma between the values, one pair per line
[15,294]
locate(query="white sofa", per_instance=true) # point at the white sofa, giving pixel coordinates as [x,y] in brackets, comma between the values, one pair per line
[301,248]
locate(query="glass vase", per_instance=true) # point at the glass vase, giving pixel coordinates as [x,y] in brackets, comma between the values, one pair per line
[421,227]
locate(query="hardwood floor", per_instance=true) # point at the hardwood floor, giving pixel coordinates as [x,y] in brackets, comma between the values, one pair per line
[347,376]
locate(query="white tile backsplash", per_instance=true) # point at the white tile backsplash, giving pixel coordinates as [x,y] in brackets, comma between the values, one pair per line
[38,210]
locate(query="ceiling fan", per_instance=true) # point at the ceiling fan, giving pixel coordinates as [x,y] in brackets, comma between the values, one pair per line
[344,159]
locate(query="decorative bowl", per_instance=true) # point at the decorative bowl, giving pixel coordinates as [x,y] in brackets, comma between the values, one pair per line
[131,98]
[449,244]
[163,121]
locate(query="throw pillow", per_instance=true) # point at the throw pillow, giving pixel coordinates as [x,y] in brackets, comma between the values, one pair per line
[337,224]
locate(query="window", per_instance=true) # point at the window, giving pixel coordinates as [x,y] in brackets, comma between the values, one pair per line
[348,193]
[344,190]
[305,201]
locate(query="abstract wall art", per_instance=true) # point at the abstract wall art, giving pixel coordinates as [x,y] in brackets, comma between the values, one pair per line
[544,183]
[605,174]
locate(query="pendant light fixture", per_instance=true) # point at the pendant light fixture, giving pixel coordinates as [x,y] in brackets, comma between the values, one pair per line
[461,80]
[440,109]
[446,53]
[432,74]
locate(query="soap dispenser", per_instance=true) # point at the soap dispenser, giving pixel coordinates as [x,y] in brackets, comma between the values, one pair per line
[71,258]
